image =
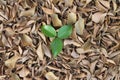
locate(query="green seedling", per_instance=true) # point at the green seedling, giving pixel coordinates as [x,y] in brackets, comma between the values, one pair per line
[63,33]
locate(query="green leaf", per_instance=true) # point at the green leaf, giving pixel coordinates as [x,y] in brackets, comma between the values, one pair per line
[56,46]
[48,31]
[65,31]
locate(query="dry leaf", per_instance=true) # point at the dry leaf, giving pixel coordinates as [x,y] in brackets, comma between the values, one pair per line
[23,72]
[55,20]
[9,32]
[39,52]
[51,76]
[5,41]
[69,2]
[114,5]
[71,18]
[98,17]
[10,63]
[92,66]
[79,26]
[14,77]
[74,54]
[46,50]
[29,12]
[87,2]
[47,10]
[106,4]
[26,40]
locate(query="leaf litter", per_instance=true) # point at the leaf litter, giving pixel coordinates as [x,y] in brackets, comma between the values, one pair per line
[92,52]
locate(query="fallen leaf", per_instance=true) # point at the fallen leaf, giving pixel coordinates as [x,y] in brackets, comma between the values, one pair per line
[29,12]
[26,40]
[68,2]
[56,21]
[71,18]
[51,76]
[79,26]
[74,54]
[46,50]
[5,41]
[47,10]
[10,63]
[98,17]
[23,72]
[39,51]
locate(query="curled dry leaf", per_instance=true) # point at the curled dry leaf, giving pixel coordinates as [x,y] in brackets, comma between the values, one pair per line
[29,12]
[51,76]
[71,18]
[39,52]
[55,20]
[79,26]
[47,10]
[98,17]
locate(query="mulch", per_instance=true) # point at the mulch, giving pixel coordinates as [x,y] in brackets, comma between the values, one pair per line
[92,52]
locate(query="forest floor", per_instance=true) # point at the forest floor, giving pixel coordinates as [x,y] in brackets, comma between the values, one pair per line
[92,52]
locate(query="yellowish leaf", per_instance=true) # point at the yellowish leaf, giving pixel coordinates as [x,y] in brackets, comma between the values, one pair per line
[39,52]
[47,10]
[29,12]
[55,20]
[51,76]
[71,18]
[10,63]
[79,26]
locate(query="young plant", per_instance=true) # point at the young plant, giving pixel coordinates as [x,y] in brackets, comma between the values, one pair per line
[63,33]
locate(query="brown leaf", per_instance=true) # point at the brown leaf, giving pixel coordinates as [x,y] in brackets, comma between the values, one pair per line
[74,54]
[55,20]
[51,76]
[39,52]
[46,51]
[10,63]
[69,2]
[71,18]
[98,17]
[79,26]
[47,10]
[23,72]
[29,12]
[26,40]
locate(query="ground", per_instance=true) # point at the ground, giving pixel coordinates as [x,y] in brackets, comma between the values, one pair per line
[92,51]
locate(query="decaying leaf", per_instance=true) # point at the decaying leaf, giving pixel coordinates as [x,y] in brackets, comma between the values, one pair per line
[79,26]
[56,21]
[51,76]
